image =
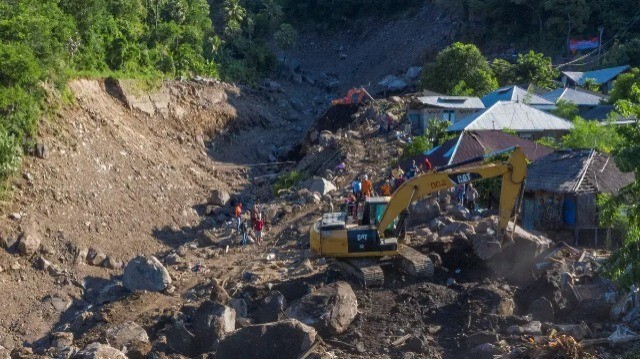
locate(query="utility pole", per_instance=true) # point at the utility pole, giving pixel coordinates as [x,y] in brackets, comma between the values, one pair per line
[601,30]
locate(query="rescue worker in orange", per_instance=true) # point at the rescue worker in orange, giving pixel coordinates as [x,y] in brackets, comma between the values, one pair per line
[386,188]
[367,187]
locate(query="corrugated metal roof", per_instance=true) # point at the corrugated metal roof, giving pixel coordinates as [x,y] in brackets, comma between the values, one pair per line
[576,96]
[452,102]
[475,143]
[599,76]
[511,115]
[577,171]
[515,93]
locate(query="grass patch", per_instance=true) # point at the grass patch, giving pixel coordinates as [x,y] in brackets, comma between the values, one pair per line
[288,180]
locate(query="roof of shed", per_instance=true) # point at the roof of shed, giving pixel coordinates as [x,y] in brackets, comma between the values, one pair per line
[599,76]
[462,102]
[514,93]
[577,171]
[578,97]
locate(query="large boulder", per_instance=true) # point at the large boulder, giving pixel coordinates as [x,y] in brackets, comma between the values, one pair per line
[321,185]
[413,73]
[29,242]
[212,323]
[423,212]
[286,339]
[330,309]
[220,198]
[392,83]
[126,333]
[100,351]
[271,308]
[455,228]
[146,273]
[460,213]
[181,340]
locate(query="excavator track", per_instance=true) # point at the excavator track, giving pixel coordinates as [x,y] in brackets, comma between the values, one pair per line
[414,263]
[367,272]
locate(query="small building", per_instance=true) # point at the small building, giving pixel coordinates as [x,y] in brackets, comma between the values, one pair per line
[602,77]
[602,113]
[561,193]
[446,108]
[584,99]
[527,122]
[518,94]
[470,144]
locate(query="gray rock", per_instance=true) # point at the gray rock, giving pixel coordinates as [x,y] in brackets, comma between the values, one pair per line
[61,339]
[413,73]
[212,322]
[460,213]
[98,259]
[240,306]
[123,334]
[271,308]
[81,256]
[330,309]
[393,83]
[29,242]
[423,212]
[542,309]
[100,351]
[146,273]
[286,339]
[531,328]
[112,263]
[457,227]
[220,197]
[181,340]
[112,292]
[577,331]
[321,185]
[42,150]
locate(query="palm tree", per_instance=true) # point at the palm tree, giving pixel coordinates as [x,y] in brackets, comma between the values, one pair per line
[233,11]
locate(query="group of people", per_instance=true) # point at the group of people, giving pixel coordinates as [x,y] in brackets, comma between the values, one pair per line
[248,219]
[466,194]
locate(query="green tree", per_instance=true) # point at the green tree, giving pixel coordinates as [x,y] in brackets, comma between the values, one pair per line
[504,71]
[591,85]
[592,134]
[566,110]
[623,88]
[535,68]
[234,12]
[567,16]
[286,37]
[461,67]
[623,53]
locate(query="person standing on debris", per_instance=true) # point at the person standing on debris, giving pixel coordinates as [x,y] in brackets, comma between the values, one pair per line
[257,227]
[397,174]
[356,186]
[459,193]
[472,196]
[244,228]
[386,188]
[237,214]
[367,187]
[254,214]
[427,164]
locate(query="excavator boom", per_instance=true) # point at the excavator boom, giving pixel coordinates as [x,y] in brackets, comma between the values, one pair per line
[513,174]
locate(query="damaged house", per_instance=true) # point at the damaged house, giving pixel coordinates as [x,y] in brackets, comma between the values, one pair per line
[561,193]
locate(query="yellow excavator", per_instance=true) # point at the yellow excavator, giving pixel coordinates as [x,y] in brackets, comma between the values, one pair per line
[363,244]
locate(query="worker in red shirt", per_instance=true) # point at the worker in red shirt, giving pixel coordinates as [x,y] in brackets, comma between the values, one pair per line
[237,213]
[427,164]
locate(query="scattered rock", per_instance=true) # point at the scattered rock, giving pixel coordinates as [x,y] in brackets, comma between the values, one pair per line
[577,331]
[423,212]
[29,242]
[481,337]
[271,308]
[286,339]
[100,351]
[81,256]
[61,339]
[413,344]
[98,259]
[413,73]
[541,309]
[330,309]
[112,263]
[218,293]
[240,307]
[180,339]
[138,350]
[220,198]
[212,322]
[146,273]
[123,334]
[460,213]
[112,292]
[457,227]
[42,150]
[531,328]
[392,83]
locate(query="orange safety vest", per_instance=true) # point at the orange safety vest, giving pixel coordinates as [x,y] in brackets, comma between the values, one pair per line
[367,188]
[386,190]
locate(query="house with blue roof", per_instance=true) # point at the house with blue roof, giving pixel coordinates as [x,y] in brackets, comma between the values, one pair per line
[516,93]
[446,108]
[526,121]
[602,77]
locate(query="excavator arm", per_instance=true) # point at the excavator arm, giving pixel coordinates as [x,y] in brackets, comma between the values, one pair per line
[513,174]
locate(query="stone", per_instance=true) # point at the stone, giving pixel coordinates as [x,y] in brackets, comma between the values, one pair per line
[488,299]
[211,323]
[112,293]
[321,185]
[515,261]
[457,227]
[100,351]
[173,259]
[460,213]
[484,227]
[271,308]
[29,242]
[481,337]
[81,256]
[286,339]
[487,351]
[10,243]
[112,263]
[413,73]
[98,259]
[181,340]
[42,150]
[61,339]
[392,83]
[330,309]
[577,331]
[413,344]
[423,212]
[218,293]
[240,307]
[220,197]
[541,309]
[327,139]
[146,273]
[531,328]
[123,334]
[138,350]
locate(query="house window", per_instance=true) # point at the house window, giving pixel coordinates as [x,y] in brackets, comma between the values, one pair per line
[449,115]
